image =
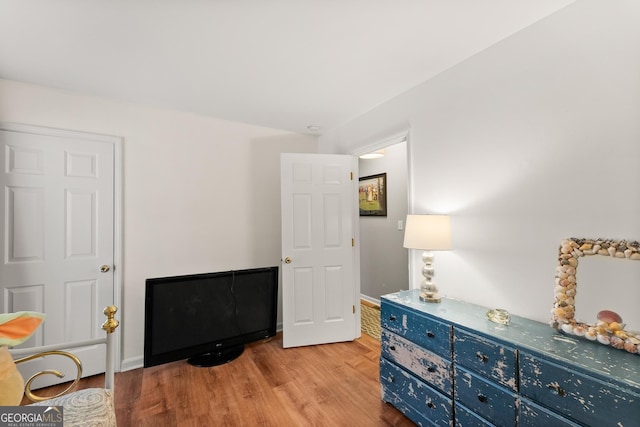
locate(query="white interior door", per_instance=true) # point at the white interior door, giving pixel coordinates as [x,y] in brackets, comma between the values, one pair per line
[57,232]
[320,287]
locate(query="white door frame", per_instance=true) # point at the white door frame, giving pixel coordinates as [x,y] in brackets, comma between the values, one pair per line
[116,141]
[380,144]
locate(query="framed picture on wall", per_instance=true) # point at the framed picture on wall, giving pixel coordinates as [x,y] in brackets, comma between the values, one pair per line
[372,195]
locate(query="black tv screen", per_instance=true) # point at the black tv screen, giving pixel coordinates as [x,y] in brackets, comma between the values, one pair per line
[207,318]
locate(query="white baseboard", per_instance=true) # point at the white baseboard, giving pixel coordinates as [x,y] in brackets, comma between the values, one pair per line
[131,364]
[370,299]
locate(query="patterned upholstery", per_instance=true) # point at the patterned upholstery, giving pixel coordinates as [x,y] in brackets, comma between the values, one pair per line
[88,407]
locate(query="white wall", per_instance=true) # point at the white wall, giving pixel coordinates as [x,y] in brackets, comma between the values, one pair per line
[200,194]
[383,260]
[533,140]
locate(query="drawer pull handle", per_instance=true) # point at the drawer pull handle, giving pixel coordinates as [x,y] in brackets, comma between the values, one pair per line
[392,318]
[482,398]
[392,379]
[431,369]
[482,357]
[431,405]
[431,334]
[556,389]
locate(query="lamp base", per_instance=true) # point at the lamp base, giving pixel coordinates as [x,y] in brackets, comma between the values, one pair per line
[429,298]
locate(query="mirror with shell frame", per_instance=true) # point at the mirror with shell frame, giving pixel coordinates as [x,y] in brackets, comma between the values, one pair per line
[608,303]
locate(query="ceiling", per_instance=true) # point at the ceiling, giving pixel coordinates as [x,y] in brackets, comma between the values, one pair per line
[284,64]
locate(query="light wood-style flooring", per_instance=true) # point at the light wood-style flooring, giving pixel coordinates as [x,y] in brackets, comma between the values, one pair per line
[325,385]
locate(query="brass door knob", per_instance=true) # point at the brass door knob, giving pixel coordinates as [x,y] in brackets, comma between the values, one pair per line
[104,268]
[287,260]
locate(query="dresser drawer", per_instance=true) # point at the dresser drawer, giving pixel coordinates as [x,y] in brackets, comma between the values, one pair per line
[466,418]
[532,415]
[398,385]
[427,366]
[492,402]
[426,332]
[488,358]
[586,399]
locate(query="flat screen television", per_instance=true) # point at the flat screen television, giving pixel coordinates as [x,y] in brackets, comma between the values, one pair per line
[208,318]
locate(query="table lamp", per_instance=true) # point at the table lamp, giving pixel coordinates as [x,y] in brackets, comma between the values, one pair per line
[429,233]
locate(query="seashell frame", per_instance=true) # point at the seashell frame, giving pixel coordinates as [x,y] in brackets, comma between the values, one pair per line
[562,315]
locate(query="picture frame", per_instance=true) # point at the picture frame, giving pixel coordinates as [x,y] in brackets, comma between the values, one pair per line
[372,195]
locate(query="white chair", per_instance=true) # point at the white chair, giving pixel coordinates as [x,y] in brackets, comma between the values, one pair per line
[88,407]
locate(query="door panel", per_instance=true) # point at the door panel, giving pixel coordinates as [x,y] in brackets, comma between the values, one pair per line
[320,286]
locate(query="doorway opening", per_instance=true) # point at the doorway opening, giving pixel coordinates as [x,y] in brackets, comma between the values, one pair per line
[383,259]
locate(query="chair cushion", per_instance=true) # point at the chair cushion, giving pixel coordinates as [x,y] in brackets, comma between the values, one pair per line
[88,407]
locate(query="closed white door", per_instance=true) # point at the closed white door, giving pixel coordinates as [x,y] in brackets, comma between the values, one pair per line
[320,290]
[58,233]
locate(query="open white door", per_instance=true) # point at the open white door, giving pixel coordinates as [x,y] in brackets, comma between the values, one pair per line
[320,287]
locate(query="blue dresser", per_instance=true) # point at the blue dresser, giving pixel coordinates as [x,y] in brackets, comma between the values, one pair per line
[446,364]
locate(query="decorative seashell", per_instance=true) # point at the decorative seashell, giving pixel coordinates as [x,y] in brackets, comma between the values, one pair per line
[573,262]
[621,334]
[635,255]
[603,252]
[619,255]
[616,326]
[611,251]
[591,334]
[577,252]
[567,328]
[570,292]
[633,340]
[604,339]
[608,316]
[617,342]
[596,248]
[560,313]
[627,253]
[630,347]
[579,331]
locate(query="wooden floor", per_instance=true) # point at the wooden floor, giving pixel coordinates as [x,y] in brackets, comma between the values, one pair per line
[325,385]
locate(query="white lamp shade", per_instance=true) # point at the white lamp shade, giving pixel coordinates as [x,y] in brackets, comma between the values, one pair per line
[428,232]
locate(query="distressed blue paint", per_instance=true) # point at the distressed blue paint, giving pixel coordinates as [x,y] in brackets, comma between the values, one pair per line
[532,415]
[593,384]
[486,357]
[420,329]
[432,368]
[583,398]
[398,384]
[492,402]
[466,418]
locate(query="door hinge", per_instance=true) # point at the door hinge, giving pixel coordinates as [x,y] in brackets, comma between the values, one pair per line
[351,176]
[354,309]
[353,242]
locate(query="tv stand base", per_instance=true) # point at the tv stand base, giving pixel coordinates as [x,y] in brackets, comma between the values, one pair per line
[207,360]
